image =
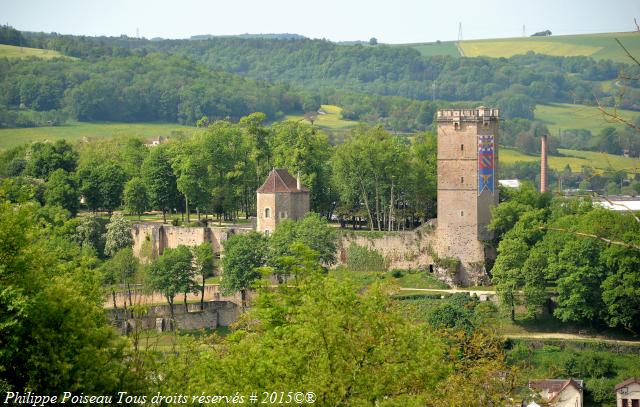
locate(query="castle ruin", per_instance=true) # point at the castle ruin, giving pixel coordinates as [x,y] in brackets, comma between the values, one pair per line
[455,246]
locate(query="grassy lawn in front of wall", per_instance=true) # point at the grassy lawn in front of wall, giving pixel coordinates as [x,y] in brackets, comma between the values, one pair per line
[405,278]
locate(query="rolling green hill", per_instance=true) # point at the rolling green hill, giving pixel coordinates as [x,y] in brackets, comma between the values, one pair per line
[9,51]
[75,131]
[597,46]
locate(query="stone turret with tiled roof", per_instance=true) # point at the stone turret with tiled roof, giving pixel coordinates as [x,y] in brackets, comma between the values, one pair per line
[282,196]
[280,180]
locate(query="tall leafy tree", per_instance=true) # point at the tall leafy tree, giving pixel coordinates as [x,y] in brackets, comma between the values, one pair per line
[61,190]
[203,265]
[136,197]
[243,255]
[301,149]
[160,180]
[172,274]
[44,158]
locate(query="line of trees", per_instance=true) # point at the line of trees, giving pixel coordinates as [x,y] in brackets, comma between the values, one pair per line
[373,175]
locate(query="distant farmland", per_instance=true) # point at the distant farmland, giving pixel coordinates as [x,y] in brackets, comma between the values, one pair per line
[576,159]
[567,116]
[75,131]
[9,51]
[597,46]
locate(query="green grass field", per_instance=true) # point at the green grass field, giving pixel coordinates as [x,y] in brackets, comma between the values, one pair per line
[576,160]
[331,120]
[9,51]
[436,48]
[75,131]
[597,46]
[567,116]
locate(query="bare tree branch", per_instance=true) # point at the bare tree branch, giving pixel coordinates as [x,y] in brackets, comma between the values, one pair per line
[604,239]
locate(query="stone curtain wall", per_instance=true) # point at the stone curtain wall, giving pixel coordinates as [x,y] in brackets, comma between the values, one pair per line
[420,249]
[160,237]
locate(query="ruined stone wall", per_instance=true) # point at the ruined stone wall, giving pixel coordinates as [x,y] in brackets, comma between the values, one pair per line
[403,250]
[141,297]
[214,314]
[424,249]
[150,239]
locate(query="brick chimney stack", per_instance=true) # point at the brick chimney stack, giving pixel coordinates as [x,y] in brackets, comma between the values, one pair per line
[543,163]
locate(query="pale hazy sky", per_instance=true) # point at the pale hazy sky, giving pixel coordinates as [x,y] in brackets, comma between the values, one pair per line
[391,21]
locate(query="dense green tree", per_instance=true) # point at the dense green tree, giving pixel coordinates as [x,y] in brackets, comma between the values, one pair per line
[190,167]
[44,158]
[120,271]
[243,255]
[203,265]
[54,334]
[22,189]
[160,180]
[136,197]
[303,151]
[369,168]
[313,231]
[101,185]
[61,190]
[172,274]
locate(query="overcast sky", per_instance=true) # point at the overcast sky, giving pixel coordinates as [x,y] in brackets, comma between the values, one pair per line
[390,21]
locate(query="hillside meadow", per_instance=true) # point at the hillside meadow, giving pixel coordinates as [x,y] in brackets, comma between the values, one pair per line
[568,116]
[10,51]
[597,46]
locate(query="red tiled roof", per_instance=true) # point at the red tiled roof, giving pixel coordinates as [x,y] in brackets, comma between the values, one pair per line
[280,180]
[555,386]
[627,382]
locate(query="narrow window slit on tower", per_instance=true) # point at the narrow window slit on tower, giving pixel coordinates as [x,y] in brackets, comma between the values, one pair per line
[462,180]
[461,213]
[461,147]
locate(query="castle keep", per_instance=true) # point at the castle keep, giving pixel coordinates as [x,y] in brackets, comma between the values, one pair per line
[467,184]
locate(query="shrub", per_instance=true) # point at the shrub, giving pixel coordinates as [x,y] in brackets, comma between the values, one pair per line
[599,390]
[588,364]
[361,258]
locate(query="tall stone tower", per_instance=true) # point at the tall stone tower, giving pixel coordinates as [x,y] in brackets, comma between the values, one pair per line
[467,186]
[280,197]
